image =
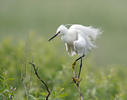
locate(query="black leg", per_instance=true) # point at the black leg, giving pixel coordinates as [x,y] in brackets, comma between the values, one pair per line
[76,78]
[80,68]
[73,65]
[80,58]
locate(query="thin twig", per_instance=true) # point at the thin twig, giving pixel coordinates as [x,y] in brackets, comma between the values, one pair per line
[24,68]
[76,81]
[43,82]
[25,87]
[26,91]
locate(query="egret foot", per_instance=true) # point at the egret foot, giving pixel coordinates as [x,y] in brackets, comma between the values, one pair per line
[76,80]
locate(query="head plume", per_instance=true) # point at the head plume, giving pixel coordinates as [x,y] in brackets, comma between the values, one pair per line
[62,29]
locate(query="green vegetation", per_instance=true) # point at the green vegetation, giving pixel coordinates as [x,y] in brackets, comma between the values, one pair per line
[98,83]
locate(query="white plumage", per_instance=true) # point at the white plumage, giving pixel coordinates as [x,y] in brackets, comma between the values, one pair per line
[78,39]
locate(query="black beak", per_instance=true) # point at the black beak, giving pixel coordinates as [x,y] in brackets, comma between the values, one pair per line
[53,36]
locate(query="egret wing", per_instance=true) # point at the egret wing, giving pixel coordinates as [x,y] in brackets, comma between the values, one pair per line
[86,31]
[82,46]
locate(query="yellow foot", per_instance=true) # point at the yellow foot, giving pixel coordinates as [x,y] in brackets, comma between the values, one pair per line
[76,80]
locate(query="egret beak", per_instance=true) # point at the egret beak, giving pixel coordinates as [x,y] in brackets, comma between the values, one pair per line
[53,36]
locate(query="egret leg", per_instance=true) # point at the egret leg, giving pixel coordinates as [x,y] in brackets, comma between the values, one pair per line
[73,67]
[80,69]
[80,57]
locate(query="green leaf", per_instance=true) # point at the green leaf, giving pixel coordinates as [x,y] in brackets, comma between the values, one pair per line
[44,93]
[62,95]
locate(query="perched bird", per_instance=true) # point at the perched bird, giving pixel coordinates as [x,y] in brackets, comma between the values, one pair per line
[78,39]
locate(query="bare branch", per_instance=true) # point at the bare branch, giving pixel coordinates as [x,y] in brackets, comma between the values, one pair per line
[42,81]
[76,81]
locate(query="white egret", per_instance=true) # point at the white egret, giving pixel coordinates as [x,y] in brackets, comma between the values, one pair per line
[78,39]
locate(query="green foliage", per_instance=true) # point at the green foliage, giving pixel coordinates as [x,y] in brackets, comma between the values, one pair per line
[6,90]
[98,83]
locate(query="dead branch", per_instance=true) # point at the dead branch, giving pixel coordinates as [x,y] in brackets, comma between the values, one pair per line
[42,81]
[76,81]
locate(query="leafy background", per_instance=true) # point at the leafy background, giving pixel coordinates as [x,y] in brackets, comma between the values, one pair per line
[25,27]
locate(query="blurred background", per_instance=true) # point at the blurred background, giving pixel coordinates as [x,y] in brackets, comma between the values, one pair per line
[26,25]
[18,18]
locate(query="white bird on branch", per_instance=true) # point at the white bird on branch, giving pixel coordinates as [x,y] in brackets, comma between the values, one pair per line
[78,39]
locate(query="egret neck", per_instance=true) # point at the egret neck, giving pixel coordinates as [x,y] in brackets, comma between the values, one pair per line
[69,36]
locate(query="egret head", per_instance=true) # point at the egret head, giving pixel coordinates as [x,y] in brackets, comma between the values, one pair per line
[61,30]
